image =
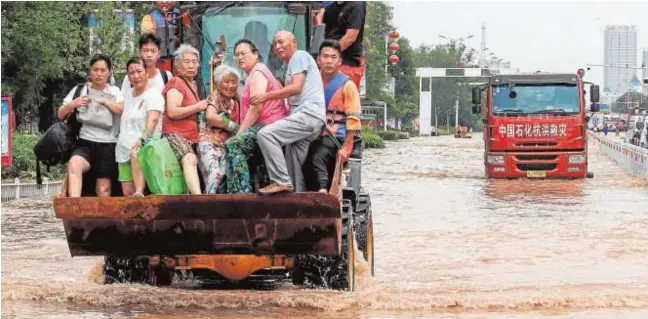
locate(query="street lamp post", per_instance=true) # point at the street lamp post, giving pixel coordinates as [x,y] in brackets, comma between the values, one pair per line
[457,40]
[392,59]
[391,48]
[460,39]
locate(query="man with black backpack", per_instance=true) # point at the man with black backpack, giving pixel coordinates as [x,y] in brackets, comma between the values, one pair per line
[149,48]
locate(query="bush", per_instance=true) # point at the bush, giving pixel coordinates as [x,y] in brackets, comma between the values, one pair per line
[403,135]
[393,135]
[388,135]
[370,139]
[24,160]
[445,131]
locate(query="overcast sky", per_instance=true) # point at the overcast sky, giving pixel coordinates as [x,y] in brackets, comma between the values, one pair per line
[548,36]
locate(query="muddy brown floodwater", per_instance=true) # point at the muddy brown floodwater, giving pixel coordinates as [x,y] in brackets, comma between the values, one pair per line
[448,244]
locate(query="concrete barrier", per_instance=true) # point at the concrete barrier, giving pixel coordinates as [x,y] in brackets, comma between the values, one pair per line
[632,158]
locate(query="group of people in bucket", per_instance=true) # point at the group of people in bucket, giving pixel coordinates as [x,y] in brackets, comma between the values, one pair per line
[217,135]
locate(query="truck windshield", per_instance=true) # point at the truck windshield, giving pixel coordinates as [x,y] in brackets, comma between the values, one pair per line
[536,99]
[258,23]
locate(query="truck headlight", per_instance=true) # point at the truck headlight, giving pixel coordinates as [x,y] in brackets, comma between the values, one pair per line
[576,159]
[495,159]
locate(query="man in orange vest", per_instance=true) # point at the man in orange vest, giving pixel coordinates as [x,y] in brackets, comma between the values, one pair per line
[342,116]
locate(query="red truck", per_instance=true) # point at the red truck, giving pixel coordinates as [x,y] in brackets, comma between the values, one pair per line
[534,125]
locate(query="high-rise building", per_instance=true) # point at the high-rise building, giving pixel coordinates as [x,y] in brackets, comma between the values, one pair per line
[620,57]
[644,71]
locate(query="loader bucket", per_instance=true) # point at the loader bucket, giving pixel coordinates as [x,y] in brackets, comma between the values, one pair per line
[291,224]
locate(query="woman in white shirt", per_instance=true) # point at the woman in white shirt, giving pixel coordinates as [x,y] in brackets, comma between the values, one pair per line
[140,121]
[98,108]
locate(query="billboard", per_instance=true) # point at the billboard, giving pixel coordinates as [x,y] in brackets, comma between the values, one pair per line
[128,17]
[7,113]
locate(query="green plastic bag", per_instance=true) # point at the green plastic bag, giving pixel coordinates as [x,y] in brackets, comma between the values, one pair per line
[161,168]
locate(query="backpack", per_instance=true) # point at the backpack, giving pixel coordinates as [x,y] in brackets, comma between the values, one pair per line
[56,145]
[165,76]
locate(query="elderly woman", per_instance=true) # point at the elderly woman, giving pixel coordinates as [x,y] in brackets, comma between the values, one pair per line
[251,118]
[98,108]
[216,127]
[179,123]
[140,121]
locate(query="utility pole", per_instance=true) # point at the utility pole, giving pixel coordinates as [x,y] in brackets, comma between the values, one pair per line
[483,47]
[456,113]
[436,125]
[385,116]
[448,120]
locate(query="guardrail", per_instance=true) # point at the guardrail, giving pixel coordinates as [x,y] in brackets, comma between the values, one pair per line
[631,157]
[18,190]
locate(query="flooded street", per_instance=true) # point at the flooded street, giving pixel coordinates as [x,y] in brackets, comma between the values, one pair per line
[448,244]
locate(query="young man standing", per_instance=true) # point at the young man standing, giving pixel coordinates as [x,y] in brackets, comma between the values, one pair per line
[345,22]
[305,122]
[149,48]
[342,118]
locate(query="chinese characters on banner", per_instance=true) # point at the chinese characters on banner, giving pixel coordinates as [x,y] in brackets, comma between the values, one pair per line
[533,130]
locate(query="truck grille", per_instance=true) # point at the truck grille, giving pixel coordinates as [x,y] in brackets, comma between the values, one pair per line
[536,167]
[536,157]
[538,144]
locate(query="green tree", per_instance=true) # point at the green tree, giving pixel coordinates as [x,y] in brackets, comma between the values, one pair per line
[404,103]
[445,91]
[46,50]
[406,83]
[377,25]
[41,42]
[620,105]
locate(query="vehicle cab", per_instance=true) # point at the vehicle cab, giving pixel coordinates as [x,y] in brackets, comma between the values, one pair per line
[535,125]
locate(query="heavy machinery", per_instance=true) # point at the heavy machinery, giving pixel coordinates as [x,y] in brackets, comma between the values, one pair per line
[308,237]
[534,125]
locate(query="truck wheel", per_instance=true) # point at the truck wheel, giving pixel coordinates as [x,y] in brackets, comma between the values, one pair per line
[135,270]
[125,270]
[364,229]
[160,275]
[330,272]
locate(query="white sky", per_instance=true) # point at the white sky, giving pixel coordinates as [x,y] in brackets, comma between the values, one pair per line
[548,36]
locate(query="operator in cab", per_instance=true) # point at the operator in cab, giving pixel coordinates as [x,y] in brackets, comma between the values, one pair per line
[345,22]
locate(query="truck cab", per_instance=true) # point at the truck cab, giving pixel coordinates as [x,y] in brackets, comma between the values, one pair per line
[534,125]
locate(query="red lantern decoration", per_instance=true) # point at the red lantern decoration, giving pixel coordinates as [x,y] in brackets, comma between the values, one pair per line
[393,59]
[394,35]
[394,47]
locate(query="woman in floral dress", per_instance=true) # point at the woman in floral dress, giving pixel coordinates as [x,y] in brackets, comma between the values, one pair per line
[215,127]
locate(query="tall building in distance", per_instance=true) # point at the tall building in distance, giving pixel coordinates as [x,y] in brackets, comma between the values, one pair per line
[620,57]
[644,71]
